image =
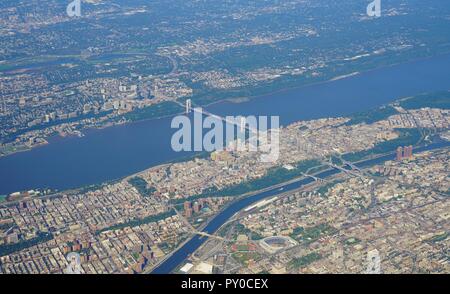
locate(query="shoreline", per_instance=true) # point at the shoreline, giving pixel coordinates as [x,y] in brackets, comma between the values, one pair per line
[340,77]
[243,99]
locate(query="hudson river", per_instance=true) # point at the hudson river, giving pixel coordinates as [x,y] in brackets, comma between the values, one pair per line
[119,151]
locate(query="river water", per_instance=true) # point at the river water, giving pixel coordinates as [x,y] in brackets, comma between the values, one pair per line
[119,151]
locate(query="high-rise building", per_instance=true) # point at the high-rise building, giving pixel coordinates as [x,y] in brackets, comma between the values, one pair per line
[399,153]
[188,212]
[405,152]
[187,205]
[408,152]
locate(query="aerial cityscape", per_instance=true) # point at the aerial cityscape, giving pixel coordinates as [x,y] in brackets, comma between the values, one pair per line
[224,137]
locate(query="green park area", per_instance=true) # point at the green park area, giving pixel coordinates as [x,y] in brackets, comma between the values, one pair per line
[154,111]
[138,222]
[433,100]
[142,186]
[304,260]
[274,176]
[406,137]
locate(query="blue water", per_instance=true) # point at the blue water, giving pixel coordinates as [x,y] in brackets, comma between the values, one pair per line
[118,151]
[195,242]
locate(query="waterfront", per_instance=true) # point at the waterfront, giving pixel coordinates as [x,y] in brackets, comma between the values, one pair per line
[177,257]
[119,151]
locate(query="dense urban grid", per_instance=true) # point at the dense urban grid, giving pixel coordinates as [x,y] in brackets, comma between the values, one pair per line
[132,224]
[126,61]
[130,60]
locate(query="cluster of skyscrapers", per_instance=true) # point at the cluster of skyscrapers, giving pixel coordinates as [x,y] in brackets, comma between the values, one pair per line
[191,208]
[404,152]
